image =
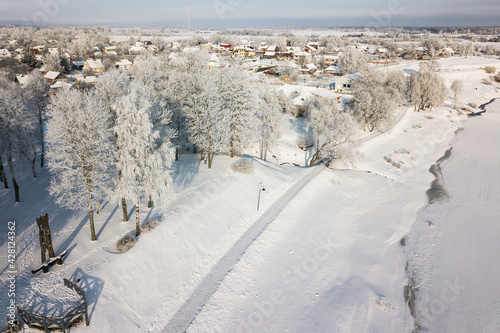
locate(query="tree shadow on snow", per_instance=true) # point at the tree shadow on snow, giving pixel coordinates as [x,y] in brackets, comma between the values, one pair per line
[91,285]
[107,220]
[186,170]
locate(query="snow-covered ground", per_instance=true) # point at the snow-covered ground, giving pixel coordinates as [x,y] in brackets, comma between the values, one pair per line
[324,253]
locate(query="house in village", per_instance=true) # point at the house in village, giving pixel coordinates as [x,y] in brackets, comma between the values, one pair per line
[22,79]
[124,64]
[271,51]
[110,50]
[95,65]
[302,58]
[308,68]
[135,49]
[334,70]
[330,59]
[38,50]
[343,84]
[4,53]
[311,47]
[52,77]
[245,51]
[446,52]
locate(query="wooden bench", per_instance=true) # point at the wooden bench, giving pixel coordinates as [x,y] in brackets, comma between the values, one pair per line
[49,262]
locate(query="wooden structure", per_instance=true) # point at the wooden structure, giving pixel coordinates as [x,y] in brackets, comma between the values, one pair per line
[48,323]
[46,245]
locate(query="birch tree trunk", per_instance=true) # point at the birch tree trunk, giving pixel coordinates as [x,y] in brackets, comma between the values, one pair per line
[137,221]
[33,161]
[13,175]
[149,201]
[42,138]
[124,210]
[91,218]
[3,176]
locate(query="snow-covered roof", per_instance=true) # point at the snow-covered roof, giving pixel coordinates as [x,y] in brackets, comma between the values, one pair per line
[334,69]
[22,79]
[353,76]
[51,75]
[61,85]
[270,53]
[123,62]
[312,48]
[95,64]
[302,54]
[4,53]
[136,49]
[311,66]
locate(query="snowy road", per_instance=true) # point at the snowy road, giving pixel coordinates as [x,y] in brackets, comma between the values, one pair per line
[189,310]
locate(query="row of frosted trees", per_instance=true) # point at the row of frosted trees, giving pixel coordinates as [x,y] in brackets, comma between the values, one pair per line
[120,139]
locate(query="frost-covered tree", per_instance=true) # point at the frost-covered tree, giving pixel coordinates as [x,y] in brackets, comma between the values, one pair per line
[145,156]
[333,133]
[239,101]
[426,90]
[111,87]
[52,62]
[16,125]
[270,114]
[429,66]
[80,155]
[467,49]
[209,127]
[457,87]
[36,92]
[374,100]
[352,60]
[396,80]
[202,105]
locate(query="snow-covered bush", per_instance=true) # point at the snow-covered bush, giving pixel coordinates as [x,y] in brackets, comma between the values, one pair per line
[490,69]
[244,166]
[497,77]
[125,243]
[149,225]
[305,141]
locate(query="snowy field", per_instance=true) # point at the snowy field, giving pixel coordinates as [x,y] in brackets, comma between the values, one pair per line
[326,252]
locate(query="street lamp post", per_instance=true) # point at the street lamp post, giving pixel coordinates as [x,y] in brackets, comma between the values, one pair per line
[261,188]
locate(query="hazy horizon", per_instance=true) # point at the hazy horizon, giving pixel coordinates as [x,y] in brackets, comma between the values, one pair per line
[256,13]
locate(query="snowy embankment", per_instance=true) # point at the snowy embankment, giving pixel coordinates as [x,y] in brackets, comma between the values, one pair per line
[457,238]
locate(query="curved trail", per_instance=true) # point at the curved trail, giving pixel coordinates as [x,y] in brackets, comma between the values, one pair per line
[190,309]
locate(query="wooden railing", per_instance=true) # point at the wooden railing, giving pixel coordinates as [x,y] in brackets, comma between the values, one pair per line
[47,323]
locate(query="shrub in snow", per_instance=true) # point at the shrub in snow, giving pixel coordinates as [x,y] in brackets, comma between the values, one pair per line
[497,77]
[305,141]
[243,166]
[147,226]
[125,243]
[490,69]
